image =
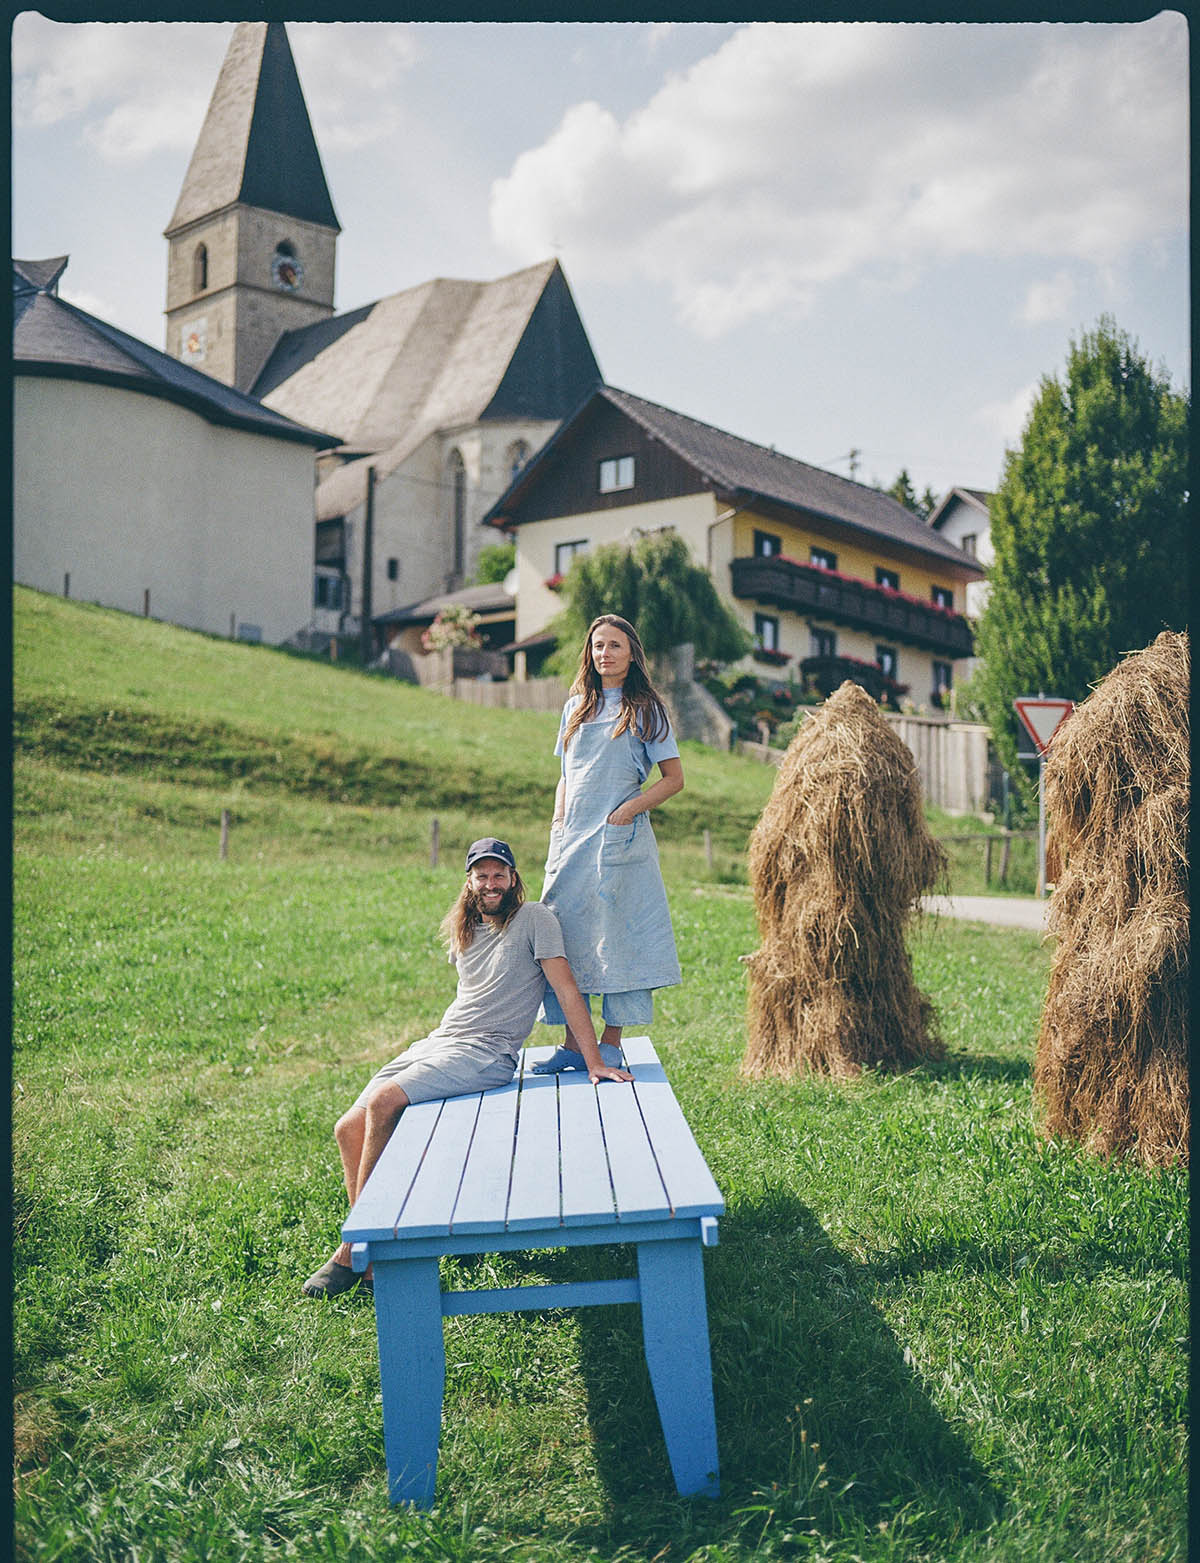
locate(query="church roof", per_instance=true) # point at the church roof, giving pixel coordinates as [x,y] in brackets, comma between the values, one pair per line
[256,145]
[32,276]
[436,356]
[58,340]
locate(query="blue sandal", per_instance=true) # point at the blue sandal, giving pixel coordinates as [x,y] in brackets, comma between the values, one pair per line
[568,1058]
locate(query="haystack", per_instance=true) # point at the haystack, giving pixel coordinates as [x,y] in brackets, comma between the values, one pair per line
[1112,1057]
[839,860]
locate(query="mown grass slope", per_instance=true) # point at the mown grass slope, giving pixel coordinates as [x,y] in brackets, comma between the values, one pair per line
[934,1337]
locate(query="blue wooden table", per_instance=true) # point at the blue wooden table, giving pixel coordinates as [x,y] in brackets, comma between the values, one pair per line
[546,1162]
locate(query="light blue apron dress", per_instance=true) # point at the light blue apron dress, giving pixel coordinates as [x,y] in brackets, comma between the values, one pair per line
[603,881]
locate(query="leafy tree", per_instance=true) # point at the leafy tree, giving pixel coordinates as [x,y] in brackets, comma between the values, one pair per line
[654,585]
[1089,527]
[495,561]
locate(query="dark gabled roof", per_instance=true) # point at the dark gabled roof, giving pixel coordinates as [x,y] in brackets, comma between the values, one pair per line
[56,339]
[256,145]
[740,472]
[979,498]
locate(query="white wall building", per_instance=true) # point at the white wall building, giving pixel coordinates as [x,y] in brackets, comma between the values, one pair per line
[144,485]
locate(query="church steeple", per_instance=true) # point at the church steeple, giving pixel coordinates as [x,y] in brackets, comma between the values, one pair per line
[253,234]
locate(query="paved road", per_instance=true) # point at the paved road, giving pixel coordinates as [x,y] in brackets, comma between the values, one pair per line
[1005,911]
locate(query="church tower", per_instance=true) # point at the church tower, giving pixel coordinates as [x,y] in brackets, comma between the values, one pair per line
[251,244]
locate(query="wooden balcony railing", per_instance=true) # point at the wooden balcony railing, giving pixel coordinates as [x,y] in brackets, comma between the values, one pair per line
[781,582]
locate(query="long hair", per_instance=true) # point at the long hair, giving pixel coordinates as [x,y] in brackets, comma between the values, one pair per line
[460,922]
[642,708]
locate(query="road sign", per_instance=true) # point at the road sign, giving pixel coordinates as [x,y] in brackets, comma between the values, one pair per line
[1042,717]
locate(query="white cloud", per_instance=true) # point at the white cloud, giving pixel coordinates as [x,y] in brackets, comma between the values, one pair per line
[124,82]
[144,88]
[1049,298]
[798,154]
[1006,419]
[91,303]
[352,90]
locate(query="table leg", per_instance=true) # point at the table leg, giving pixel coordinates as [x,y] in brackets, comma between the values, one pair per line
[675,1327]
[412,1374]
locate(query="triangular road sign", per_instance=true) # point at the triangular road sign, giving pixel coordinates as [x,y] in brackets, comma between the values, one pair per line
[1042,717]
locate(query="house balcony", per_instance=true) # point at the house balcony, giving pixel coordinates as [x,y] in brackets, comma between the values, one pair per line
[780,582]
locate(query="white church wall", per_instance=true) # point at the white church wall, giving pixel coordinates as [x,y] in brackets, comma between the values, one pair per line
[128,493]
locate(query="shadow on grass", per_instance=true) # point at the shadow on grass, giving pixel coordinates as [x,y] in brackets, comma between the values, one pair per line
[806,1374]
[978,1066]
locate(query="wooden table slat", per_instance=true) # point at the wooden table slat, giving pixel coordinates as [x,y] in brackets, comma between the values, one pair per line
[533,1199]
[586,1182]
[691,1188]
[430,1203]
[637,1187]
[381,1201]
[483,1196]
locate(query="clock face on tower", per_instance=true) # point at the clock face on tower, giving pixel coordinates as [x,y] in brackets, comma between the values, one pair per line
[286,271]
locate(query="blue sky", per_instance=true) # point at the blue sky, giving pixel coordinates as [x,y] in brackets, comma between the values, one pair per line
[829,237]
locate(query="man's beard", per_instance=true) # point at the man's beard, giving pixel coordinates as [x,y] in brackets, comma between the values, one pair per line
[506,905]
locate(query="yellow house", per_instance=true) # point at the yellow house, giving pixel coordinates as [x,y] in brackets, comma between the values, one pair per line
[825,573]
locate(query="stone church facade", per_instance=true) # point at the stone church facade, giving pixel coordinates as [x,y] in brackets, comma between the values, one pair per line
[437,393]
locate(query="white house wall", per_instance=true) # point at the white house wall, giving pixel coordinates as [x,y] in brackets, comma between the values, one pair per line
[126,493]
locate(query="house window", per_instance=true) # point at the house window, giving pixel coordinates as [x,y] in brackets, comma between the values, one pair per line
[518,455]
[200,269]
[616,473]
[766,632]
[943,597]
[327,591]
[393,569]
[565,553]
[822,559]
[885,660]
[822,643]
[766,545]
[888,578]
[943,680]
[458,507]
[970,544]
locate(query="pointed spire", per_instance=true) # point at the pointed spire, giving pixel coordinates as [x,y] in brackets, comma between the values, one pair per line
[257,144]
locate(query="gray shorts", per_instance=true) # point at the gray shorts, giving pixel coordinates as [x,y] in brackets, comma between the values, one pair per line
[439,1066]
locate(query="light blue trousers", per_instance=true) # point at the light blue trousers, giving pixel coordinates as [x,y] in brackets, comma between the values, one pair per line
[635,1008]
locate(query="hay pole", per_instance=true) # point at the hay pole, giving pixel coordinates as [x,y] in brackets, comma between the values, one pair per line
[224,848]
[708,857]
[433,843]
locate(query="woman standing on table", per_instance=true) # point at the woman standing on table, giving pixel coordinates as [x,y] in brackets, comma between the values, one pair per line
[602,875]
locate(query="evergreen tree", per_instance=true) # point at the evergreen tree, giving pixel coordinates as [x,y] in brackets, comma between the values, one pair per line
[654,585]
[1089,527]
[904,493]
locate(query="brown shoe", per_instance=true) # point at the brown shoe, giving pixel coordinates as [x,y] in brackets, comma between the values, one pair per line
[332,1279]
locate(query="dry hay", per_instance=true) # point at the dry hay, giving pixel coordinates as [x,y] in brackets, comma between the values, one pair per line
[1112,1057]
[839,860]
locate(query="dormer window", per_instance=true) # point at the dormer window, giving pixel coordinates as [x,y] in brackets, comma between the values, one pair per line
[616,473]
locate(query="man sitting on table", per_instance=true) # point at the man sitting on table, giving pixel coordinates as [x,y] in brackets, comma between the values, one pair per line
[506,949]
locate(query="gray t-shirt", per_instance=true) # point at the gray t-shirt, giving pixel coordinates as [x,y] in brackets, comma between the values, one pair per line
[500,984]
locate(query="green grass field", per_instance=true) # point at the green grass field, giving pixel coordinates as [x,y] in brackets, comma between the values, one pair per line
[934,1337]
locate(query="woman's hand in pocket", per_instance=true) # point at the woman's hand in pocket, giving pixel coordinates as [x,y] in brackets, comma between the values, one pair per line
[624,814]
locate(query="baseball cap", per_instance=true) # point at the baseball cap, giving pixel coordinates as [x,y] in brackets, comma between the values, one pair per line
[488,846]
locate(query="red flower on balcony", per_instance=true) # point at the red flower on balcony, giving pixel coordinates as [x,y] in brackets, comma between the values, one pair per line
[772,656]
[554,582]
